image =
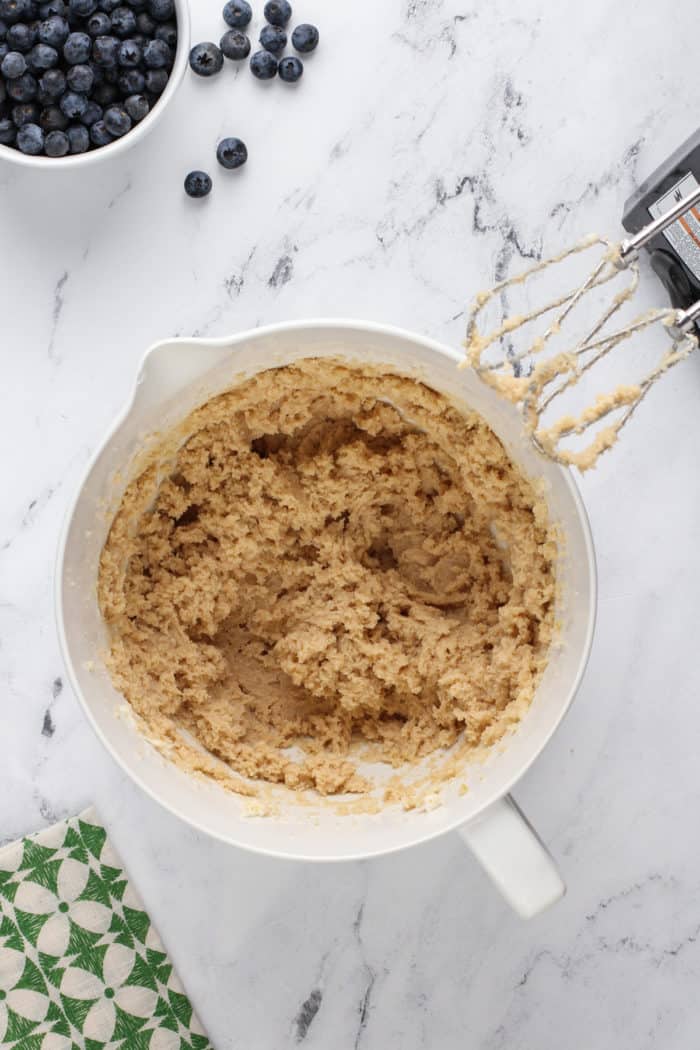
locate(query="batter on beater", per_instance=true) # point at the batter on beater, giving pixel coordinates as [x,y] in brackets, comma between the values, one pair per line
[332,557]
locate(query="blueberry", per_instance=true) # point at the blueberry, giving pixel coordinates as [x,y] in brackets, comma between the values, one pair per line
[123,22]
[137,107]
[81,8]
[54,31]
[91,114]
[52,84]
[3,29]
[52,119]
[263,65]
[273,38]
[197,184]
[105,50]
[13,65]
[73,105]
[98,24]
[167,32]
[77,49]
[156,79]
[131,82]
[8,131]
[231,153]
[117,121]
[157,55]
[12,11]
[145,24]
[109,6]
[42,57]
[23,89]
[25,113]
[56,144]
[305,38]
[4,50]
[161,10]
[237,13]
[291,69]
[129,54]
[278,12]
[78,138]
[235,44]
[54,7]
[21,37]
[80,78]
[99,136]
[30,139]
[105,94]
[206,59]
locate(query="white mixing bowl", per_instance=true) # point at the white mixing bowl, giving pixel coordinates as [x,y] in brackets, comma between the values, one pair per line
[174,377]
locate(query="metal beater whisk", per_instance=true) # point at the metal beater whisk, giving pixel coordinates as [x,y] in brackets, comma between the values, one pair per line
[533,382]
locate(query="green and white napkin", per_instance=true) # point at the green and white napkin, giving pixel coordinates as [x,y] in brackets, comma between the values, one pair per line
[81,966]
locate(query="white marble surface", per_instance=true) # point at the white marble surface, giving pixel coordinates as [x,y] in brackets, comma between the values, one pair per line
[431,144]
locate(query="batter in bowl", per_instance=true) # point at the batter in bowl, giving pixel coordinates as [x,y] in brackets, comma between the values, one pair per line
[333,562]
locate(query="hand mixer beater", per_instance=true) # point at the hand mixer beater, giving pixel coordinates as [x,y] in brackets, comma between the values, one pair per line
[534,375]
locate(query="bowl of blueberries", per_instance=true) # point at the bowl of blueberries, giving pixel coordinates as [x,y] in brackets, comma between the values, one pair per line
[81,80]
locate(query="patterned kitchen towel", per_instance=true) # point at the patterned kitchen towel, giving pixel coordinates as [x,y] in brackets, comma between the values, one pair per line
[81,967]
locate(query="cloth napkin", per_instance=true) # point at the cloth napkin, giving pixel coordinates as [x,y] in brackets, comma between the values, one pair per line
[81,966]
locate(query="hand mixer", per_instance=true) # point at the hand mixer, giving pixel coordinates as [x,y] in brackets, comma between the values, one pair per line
[534,381]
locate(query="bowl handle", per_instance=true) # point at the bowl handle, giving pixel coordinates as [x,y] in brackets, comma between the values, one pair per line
[515,858]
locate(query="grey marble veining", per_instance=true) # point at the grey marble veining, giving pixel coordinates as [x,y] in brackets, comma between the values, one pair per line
[432,147]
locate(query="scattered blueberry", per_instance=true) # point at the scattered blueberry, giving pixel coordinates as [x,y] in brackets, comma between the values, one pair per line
[161,10]
[30,140]
[8,131]
[73,105]
[54,31]
[25,113]
[42,57]
[235,44]
[53,83]
[273,38]
[137,107]
[56,144]
[231,153]
[290,69]
[117,121]
[78,138]
[130,54]
[98,24]
[23,89]
[305,38]
[99,136]
[156,79]
[21,37]
[206,59]
[91,114]
[80,78]
[123,22]
[278,12]
[157,55]
[263,65]
[197,184]
[13,65]
[237,13]
[81,8]
[131,82]
[77,48]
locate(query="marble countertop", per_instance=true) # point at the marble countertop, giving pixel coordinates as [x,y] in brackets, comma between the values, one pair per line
[431,144]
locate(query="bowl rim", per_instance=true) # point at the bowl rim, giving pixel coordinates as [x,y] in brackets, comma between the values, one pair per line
[416,836]
[93,156]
